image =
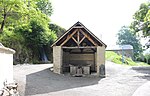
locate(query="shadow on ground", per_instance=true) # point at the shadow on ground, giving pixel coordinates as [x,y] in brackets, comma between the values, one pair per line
[46,81]
[144,70]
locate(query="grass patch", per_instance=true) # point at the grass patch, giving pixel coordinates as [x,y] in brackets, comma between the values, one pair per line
[114,57]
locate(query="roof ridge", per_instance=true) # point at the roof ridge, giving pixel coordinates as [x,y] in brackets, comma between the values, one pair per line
[84,28]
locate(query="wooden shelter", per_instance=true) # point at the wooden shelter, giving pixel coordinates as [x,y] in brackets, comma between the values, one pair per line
[78,51]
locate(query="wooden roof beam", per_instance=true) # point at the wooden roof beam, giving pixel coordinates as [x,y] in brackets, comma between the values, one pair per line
[78,36]
[82,40]
[88,37]
[81,47]
[75,41]
[68,37]
[77,27]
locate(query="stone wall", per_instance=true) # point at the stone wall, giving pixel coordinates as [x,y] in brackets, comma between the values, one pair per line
[62,59]
[126,53]
[57,59]
[78,59]
[83,59]
[100,61]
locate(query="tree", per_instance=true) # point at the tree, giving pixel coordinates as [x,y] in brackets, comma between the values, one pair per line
[16,12]
[11,11]
[45,6]
[57,29]
[146,54]
[142,19]
[37,36]
[126,36]
[24,26]
[15,40]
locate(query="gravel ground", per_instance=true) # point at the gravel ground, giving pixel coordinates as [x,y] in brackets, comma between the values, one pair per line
[38,80]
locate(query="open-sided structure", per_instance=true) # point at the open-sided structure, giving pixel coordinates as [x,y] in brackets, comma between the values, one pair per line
[79,51]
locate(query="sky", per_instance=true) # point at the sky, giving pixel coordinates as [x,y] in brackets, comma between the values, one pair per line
[104,18]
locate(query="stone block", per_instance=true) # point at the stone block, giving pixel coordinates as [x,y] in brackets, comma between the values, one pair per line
[86,70]
[100,61]
[57,59]
[102,70]
[73,70]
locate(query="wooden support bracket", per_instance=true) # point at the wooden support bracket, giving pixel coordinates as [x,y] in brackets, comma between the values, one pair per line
[88,37]
[69,36]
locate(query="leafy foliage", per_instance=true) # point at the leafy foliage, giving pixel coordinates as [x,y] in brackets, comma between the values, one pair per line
[11,11]
[45,6]
[15,41]
[142,19]
[24,26]
[14,12]
[147,57]
[126,37]
[57,29]
[36,35]
[114,57]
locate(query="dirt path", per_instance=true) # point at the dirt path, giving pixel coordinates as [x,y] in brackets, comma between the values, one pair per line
[38,80]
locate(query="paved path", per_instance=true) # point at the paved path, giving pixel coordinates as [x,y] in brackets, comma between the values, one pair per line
[38,80]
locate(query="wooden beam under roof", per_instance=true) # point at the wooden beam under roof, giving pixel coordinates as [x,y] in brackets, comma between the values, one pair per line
[75,40]
[88,37]
[68,37]
[82,40]
[81,52]
[78,37]
[79,47]
[77,27]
